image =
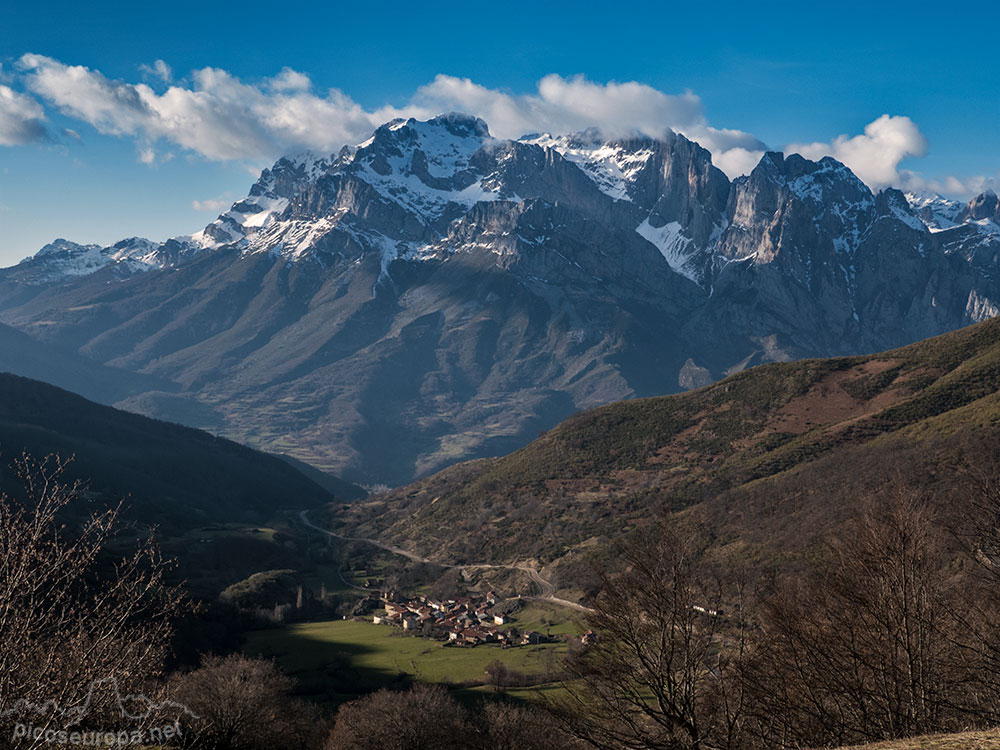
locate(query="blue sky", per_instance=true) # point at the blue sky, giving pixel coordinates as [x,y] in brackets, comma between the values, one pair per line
[782,76]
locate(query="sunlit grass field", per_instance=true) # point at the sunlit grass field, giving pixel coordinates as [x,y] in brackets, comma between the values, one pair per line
[383,653]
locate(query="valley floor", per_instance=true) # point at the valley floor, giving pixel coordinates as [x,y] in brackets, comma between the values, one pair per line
[366,656]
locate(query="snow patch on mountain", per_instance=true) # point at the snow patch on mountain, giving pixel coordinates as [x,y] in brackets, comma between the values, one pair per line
[987,226]
[608,164]
[291,239]
[448,150]
[426,166]
[61,247]
[240,222]
[907,218]
[936,212]
[63,259]
[412,193]
[673,246]
[829,177]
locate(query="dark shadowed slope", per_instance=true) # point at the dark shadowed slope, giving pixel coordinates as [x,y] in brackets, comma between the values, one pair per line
[334,485]
[170,475]
[23,355]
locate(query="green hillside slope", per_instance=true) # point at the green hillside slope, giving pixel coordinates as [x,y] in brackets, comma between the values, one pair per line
[769,457]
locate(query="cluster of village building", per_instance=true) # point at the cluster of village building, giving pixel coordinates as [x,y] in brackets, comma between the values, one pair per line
[464,621]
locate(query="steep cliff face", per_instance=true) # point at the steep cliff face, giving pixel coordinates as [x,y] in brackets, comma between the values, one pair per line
[812,263]
[667,190]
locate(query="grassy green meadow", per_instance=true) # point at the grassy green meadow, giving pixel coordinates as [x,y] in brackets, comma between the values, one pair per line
[361,656]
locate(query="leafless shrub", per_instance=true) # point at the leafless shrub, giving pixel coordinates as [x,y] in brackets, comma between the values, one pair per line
[423,718]
[244,704]
[502,725]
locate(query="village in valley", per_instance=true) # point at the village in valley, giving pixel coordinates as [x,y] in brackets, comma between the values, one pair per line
[463,621]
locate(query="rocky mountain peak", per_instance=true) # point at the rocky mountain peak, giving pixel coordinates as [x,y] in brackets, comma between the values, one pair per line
[288,174]
[892,203]
[984,206]
[63,259]
[62,246]
[936,211]
[446,142]
[815,181]
[462,125]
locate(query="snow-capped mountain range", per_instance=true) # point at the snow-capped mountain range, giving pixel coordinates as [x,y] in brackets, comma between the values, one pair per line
[435,293]
[457,164]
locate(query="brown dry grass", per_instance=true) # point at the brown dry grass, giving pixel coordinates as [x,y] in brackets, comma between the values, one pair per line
[827,403]
[965,741]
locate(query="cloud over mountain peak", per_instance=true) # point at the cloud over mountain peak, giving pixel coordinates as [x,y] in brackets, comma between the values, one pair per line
[219,116]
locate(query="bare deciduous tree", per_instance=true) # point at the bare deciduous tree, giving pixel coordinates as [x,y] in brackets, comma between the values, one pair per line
[655,678]
[873,647]
[426,717]
[498,675]
[978,532]
[73,614]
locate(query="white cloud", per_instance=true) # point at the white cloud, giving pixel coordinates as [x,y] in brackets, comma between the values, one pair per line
[160,70]
[290,80]
[21,118]
[113,108]
[563,105]
[220,117]
[874,156]
[737,161]
[955,187]
[213,205]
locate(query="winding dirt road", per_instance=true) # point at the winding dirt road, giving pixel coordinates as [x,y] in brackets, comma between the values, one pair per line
[546,590]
